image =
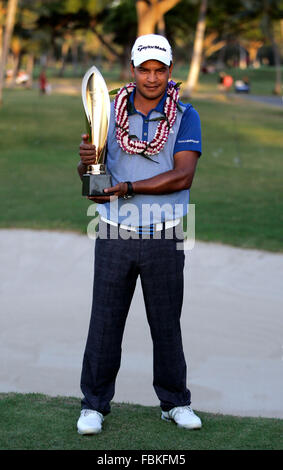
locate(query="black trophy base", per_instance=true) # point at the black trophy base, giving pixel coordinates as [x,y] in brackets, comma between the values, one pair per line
[93,185]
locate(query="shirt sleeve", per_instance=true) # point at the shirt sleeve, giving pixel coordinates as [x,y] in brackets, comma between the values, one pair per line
[189,134]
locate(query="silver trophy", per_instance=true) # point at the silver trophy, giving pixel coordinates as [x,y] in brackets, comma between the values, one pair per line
[96,103]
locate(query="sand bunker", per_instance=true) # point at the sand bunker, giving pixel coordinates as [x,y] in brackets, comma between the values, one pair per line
[232,324]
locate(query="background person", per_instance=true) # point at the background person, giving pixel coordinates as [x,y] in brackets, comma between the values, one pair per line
[42,82]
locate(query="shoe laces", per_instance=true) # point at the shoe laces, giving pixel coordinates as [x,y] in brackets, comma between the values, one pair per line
[186,408]
[183,409]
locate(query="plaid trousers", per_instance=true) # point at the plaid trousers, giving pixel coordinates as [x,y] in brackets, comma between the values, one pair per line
[118,263]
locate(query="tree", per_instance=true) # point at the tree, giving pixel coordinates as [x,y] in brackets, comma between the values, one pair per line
[27,41]
[197,51]
[69,22]
[150,13]
[268,12]
[121,23]
[9,26]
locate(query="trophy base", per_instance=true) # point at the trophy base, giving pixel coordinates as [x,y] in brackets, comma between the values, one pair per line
[93,185]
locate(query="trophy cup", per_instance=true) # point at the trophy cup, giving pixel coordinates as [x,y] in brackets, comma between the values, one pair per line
[96,103]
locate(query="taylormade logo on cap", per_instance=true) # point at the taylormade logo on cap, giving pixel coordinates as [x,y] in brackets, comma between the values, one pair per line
[140,48]
[151,47]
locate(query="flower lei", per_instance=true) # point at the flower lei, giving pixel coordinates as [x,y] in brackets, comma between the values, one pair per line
[142,147]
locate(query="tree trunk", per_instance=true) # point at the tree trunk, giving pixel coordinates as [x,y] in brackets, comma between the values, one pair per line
[75,56]
[220,64]
[9,26]
[161,26]
[30,65]
[1,42]
[197,51]
[16,67]
[150,12]
[277,60]
[278,80]
[276,52]
[124,61]
[64,55]
[252,48]
[243,55]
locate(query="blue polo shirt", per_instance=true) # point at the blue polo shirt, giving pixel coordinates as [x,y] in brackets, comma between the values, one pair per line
[144,209]
[189,134]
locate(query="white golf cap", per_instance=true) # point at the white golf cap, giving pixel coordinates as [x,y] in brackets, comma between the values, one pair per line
[151,47]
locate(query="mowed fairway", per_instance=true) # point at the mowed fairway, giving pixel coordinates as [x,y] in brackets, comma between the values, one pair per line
[237,188]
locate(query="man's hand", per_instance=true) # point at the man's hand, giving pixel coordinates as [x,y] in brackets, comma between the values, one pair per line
[119,190]
[88,157]
[87,151]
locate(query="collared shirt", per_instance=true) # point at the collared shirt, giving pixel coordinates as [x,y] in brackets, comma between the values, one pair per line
[144,209]
[189,134]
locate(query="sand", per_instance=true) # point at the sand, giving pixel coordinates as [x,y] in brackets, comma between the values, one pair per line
[231,323]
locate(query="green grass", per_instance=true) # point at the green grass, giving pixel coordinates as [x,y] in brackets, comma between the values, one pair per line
[38,422]
[40,188]
[237,187]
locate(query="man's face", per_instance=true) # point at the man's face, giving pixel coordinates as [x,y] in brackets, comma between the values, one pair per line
[151,78]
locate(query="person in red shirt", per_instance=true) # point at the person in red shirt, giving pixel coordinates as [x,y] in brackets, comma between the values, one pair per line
[42,82]
[227,82]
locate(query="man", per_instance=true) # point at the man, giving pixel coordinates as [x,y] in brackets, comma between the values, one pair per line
[153,147]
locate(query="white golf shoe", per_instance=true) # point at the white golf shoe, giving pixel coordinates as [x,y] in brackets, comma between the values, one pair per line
[183,416]
[90,422]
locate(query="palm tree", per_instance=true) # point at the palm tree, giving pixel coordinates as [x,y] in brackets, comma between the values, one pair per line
[9,26]
[197,51]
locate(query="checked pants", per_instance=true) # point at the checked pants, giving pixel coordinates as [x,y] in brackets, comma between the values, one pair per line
[118,263]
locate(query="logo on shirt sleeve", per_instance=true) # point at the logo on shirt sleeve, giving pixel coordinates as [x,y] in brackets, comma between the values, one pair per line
[187,141]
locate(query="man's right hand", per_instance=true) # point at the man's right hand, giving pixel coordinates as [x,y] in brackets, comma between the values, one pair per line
[88,157]
[87,151]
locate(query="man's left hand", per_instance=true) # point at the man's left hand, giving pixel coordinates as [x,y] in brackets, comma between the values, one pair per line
[119,190]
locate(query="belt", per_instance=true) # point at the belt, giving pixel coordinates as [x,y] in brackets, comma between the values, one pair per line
[145,228]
